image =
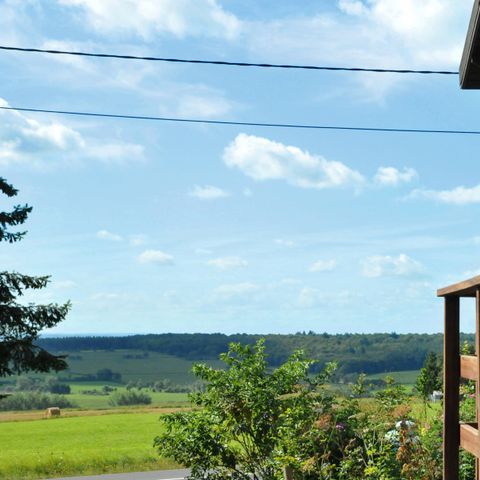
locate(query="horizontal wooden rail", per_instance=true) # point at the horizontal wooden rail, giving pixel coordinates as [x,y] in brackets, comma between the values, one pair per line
[469,367]
[469,439]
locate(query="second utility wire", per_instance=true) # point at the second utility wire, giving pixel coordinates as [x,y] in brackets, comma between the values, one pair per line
[244,124]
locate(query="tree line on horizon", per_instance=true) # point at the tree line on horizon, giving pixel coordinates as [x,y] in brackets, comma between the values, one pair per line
[354,353]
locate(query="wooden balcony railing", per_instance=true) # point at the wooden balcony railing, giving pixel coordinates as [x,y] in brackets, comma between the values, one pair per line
[456,366]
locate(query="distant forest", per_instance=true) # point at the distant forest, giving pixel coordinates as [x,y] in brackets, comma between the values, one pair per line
[354,353]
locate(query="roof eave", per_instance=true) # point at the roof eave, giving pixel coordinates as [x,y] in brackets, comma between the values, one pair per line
[470,65]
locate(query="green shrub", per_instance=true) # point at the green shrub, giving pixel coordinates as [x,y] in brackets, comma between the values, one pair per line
[34,401]
[253,422]
[130,397]
[248,417]
[60,388]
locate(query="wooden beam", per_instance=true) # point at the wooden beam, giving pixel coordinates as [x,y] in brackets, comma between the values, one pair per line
[469,367]
[467,288]
[451,382]
[469,438]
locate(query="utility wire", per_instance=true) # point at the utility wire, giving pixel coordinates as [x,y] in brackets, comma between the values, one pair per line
[245,124]
[234,64]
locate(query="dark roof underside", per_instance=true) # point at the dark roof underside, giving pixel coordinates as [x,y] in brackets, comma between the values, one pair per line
[470,66]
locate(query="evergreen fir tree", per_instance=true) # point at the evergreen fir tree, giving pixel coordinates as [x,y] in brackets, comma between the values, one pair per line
[430,378]
[21,324]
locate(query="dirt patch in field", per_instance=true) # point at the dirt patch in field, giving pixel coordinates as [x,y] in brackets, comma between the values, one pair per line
[40,414]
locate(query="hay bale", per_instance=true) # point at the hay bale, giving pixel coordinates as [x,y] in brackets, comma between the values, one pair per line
[52,412]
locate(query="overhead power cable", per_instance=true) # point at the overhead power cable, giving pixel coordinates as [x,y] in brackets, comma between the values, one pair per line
[245,124]
[233,64]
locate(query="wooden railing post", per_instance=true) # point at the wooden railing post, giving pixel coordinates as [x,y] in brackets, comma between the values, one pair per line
[477,380]
[451,378]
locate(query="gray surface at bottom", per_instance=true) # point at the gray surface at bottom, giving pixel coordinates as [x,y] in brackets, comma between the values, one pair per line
[157,475]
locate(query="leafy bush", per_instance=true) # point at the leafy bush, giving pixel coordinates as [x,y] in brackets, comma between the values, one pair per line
[49,384]
[34,401]
[107,375]
[130,397]
[60,388]
[52,385]
[102,375]
[28,384]
[243,416]
[106,389]
[253,422]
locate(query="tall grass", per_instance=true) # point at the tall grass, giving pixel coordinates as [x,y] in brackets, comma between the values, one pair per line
[79,446]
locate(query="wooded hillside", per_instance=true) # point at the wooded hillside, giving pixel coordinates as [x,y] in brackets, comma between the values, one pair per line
[372,353]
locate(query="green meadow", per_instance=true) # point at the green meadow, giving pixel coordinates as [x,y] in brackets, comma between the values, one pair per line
[80,445]
[407,377]
[96,402]
[96,437]
[156,366]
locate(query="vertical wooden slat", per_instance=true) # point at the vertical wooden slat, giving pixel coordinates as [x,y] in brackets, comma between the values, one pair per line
[477,386]
[451,382]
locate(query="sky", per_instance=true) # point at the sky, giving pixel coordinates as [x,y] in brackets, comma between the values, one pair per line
[151,227]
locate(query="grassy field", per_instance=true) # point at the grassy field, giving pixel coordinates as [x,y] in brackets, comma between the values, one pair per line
[407,377]
[94,442]
[88,401]
[79,445]
[96,437]
[155,367]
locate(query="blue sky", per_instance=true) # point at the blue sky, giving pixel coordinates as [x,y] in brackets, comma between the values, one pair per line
[157,227]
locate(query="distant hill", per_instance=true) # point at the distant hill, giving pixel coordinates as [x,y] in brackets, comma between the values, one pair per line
[354,353]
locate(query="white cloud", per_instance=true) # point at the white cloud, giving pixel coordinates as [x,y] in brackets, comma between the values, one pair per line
[196,101]
[380,266]
[457,196]
[419,290]
[147,18]
[373,33]
[471,273]
[106,235]
[227,263]
[323,266]
[116,153]
[352,7]
[182,99]
[22,138]
[151,80]
[203,251]
[138,240]
[54,134]
[25,140]
[63,284]
[88,73]
[18,23]
[392,177]
[208,192]
[309,297]
[102,297]
[235,291]
[155,256]
[264,159]
[284,243]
